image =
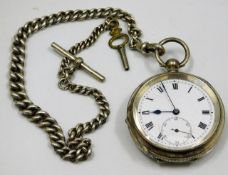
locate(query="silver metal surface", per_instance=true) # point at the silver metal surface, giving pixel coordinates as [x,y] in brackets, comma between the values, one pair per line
[159,152]
[81,63]
[75,147]
[175,40]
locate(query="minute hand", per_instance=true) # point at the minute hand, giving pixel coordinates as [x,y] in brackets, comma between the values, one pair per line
[168,95]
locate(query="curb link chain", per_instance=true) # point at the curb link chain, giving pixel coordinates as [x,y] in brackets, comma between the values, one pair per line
[74,148]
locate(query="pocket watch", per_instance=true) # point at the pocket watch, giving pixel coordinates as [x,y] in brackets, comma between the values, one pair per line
[175,117]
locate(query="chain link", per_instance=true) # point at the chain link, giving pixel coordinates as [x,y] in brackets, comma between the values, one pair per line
[74,148]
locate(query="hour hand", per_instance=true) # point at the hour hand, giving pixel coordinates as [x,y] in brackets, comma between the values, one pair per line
[155,112]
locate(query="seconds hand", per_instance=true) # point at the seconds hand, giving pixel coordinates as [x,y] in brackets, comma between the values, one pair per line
[175,110]
[177,130]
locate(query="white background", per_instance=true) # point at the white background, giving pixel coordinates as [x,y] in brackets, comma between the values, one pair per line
[25,149]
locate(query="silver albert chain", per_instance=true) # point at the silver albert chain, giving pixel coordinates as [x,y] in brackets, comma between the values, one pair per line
[76,147]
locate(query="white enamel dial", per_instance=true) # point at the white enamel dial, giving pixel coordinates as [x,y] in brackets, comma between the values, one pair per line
[176,114]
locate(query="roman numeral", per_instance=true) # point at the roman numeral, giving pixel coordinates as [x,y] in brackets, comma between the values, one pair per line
[149,99]
[160,136]
[205,112]
[175,86]
[202,125]
[177,143]
[160,89]
[145,112]
[200,99]
[190,89]
[149,125]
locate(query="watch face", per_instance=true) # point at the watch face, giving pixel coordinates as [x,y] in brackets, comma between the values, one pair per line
[176,114]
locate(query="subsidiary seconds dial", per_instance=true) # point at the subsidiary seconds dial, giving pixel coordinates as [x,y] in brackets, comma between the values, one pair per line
[176,114]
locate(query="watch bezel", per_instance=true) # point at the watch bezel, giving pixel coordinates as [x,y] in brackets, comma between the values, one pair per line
[156,149]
